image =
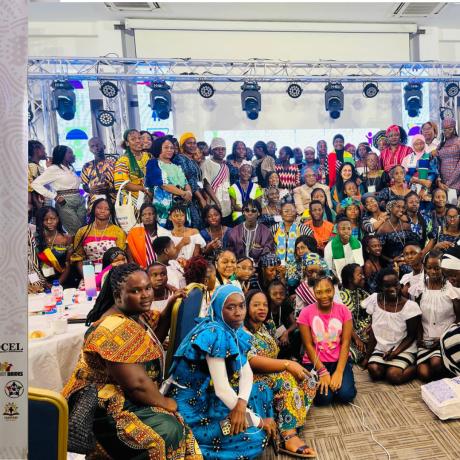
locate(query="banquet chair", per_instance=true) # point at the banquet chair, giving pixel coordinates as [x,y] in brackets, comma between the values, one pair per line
[183,316]
[48,425]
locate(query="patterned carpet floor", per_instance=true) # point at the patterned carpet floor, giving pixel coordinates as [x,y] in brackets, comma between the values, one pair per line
[398,417]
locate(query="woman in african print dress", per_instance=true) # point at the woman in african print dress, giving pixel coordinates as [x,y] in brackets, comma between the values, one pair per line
[123,357]
[293,390]
[213,383]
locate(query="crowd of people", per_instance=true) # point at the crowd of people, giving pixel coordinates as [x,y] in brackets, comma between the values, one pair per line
[312,263]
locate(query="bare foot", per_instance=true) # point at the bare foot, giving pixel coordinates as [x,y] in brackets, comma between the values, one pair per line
[295,442]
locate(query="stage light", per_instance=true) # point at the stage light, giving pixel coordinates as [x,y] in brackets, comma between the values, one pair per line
[106,118]
[109,89]
[160,99]
[63,99]
[452,89]
[251,101]
[294,90]
[206,90]
[446,112]
[370,89]
[413,99]
[30,114]
[333,99]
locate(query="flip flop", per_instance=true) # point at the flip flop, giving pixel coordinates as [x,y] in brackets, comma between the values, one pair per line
[299,452]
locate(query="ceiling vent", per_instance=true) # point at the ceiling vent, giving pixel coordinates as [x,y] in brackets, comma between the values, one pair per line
[132,6]
[417,10]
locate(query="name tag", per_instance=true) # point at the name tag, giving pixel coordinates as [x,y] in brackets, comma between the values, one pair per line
[48,271]
[200,184]
[33,278]
[371,188]
[97,268]
[280,331]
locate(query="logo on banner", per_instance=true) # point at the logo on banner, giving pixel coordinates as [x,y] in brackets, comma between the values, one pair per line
[14,389]
[6,370]
[10,412]
[11,347]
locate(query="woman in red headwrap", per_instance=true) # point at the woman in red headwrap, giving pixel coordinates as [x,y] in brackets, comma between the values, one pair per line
[397,150]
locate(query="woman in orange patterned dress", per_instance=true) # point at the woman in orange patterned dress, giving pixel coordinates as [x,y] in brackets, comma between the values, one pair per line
[123,357]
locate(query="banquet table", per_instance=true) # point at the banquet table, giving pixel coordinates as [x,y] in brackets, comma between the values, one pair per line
[53,358]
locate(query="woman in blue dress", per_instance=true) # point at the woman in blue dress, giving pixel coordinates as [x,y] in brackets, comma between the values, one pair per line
[213,384]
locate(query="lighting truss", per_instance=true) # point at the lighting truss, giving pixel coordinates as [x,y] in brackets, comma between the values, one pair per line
[260,70]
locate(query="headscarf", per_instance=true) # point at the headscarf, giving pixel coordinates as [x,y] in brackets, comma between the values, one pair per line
[418,137]
[338,136]
[158,134]
[184,137]
[269,260]
[349,201]
[391,129]
[448,123]
[379,135]
[133,165]
[366,196]
[111,254]
[347,146]
[391,203]
[315,259]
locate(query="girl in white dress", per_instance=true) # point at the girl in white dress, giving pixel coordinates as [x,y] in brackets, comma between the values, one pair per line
[392,340]
[440,305]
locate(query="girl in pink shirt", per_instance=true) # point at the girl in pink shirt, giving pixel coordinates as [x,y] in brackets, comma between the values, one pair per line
[326,328]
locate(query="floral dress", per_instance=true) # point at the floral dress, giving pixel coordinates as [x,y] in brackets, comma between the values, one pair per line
[292,399]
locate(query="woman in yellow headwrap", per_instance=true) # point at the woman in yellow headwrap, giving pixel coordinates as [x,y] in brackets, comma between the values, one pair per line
[192,173]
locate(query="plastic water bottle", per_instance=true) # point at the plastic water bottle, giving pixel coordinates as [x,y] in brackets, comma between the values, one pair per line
[50,303]
[90,279]
[57,292]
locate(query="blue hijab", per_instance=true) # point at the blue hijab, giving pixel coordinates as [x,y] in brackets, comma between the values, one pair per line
[213,336]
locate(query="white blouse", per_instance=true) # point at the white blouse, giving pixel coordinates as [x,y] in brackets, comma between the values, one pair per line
[390,328]
[56,178]
[186,252]
[437,308]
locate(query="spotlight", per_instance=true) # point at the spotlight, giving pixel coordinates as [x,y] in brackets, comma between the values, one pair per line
[251,101]
[446,112]
[452,89]
[294,90]
[109,89]
[370,89]
[106,118]
[160,99]
[413,99]
[30,114]
[63,99]
[206,90]
[333,99]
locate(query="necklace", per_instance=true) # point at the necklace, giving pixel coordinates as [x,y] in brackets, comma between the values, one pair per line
[221,233]
[248,238]
[54,239]
[402,238]
[396,305]
[174,232]
[96,231]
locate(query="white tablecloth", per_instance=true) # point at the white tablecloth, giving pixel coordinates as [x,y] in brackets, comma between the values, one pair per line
[52,360]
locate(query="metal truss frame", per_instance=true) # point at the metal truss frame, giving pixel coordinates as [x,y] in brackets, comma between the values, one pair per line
[261,70]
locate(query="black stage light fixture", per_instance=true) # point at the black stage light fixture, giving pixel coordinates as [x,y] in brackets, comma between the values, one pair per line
[63,99]
[160,99]
[109,89]
[446,112]
[333,99]
[294,90]
[30,114]
[106,118]
[452,89]
[413,99]
[251,101]
[370,89]
[206,90]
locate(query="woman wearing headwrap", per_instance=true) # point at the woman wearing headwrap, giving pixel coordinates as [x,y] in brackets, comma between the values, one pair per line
[213,383]
[380,140]
[337,157]
[449,157]
[132,165]
[192,171]
[397,150]
[421,168]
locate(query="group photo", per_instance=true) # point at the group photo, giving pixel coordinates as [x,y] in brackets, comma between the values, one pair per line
[243,233]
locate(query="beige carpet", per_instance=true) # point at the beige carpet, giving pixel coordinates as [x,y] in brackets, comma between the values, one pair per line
[398,417]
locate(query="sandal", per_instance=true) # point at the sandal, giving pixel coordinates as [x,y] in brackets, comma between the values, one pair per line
[299,453]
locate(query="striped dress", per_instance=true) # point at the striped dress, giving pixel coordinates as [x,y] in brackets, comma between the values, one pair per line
[450,349]
[289,176]
[449,161]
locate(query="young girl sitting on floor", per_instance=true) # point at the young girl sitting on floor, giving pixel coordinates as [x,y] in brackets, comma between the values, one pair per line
[440,305]
[395,321]
[325,328]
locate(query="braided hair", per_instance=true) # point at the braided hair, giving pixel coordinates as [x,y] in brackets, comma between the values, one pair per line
[111,288]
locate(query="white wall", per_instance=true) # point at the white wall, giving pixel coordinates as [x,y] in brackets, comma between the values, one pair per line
[83,39]
[440,44]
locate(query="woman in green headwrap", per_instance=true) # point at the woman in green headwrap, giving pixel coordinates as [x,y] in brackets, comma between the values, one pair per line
[131,166]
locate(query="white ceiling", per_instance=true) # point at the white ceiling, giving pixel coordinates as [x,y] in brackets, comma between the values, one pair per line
[52,10]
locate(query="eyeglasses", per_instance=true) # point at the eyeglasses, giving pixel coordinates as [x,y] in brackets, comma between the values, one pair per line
[250,210]
[452,217]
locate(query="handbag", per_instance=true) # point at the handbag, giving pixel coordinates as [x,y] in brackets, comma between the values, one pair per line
[125,212]
[82,407]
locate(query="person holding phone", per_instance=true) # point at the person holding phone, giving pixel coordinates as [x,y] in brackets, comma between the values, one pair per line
[212,383]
